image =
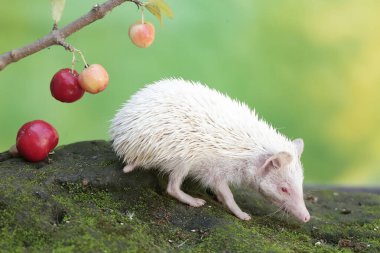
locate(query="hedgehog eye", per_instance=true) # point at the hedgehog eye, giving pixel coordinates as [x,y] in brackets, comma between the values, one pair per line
[284,189]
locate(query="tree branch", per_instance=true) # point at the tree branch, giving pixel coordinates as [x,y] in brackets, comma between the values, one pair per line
[57,36]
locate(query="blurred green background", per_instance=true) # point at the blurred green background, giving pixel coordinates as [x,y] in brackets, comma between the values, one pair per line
[311,68]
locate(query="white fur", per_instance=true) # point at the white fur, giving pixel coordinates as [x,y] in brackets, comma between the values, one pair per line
[185,128]
[187,120]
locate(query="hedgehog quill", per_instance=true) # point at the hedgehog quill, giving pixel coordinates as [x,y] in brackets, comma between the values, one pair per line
[186,129]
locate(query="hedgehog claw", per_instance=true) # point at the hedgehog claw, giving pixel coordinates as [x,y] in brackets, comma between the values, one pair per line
[197,202]
[243,216]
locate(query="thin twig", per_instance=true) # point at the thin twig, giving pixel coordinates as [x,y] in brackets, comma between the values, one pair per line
[181,244]
[58,36]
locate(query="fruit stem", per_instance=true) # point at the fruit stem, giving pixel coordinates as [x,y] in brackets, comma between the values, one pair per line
[83,59]
[142,14]
[13,151]
[73,62]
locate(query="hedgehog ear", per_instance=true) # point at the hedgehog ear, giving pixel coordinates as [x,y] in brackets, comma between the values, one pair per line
[299,146]
[277,161]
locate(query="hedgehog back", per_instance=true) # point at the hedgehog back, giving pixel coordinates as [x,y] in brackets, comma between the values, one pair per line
[173,120]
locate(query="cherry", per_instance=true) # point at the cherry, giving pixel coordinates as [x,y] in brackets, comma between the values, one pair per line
[141,34]
[93,79]
[35,139]
[64,86]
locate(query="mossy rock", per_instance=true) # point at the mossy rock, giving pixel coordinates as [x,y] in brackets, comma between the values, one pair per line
[80,201]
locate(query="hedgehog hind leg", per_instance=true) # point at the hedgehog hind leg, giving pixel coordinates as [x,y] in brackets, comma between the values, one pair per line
[174,189]
[129,167]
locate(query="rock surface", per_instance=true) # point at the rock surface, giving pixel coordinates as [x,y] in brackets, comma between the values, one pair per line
[80,201]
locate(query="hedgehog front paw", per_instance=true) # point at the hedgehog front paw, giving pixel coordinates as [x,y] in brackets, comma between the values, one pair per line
[195,202]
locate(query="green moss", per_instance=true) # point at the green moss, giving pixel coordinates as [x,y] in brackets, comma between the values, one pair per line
[82,202]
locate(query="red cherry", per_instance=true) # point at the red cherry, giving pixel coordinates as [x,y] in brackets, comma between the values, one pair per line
[64,86]
[35,140]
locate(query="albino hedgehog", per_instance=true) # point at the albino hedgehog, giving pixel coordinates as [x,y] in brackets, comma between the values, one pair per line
[187,129]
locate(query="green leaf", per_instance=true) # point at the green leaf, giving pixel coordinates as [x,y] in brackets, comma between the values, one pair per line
[159,7]
[57,7]
[155,11]
[164,7]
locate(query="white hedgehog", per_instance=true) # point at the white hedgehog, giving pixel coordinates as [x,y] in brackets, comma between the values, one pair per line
[185,128]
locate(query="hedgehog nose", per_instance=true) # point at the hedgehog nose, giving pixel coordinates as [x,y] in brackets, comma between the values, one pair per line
[306,218]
